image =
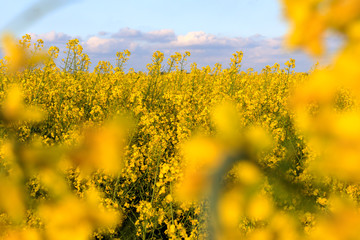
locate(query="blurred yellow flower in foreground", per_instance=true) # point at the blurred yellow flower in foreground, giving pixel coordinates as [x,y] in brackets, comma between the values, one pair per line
[230,209]
[102,149]
[280,227]
[247,173]
[18,55]
[342,223]
[227,123]
[260,207]
[201,157]
[257,139]
[15,52]
[307,25]
[12,200]
[72,218]
[27,234]
[13,108]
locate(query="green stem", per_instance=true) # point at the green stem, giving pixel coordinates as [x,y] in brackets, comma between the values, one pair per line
[215,191]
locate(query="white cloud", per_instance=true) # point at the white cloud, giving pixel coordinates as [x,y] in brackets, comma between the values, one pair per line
[195,38]
[53,37]
[162,32]
[163,35]
[127,33]
[101,45]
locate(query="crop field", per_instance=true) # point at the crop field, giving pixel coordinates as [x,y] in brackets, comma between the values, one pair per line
[179,151]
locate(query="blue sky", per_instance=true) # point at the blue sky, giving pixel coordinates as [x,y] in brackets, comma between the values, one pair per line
[211,30]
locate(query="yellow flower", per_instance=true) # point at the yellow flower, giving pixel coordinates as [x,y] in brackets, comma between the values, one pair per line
[260,207]
[12,200]
[102,149]
[13,108]
[19,55]
[27,234]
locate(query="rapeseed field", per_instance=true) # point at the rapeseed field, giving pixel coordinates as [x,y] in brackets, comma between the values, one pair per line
[178,153]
